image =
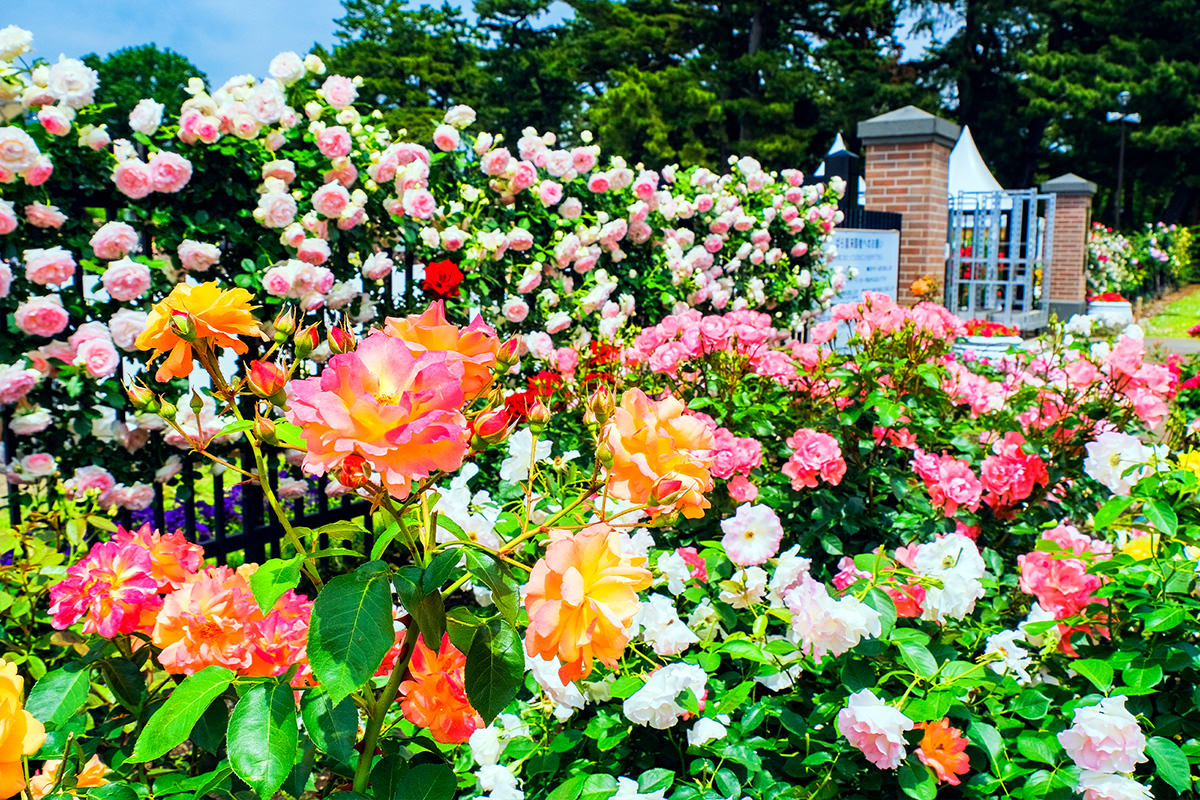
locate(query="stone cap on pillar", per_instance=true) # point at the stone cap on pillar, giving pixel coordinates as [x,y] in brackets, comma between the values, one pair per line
[908,125]
[1069,184]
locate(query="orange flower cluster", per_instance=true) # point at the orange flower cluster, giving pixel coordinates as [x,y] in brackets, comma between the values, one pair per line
[942,749]
[581,598]
[91,776]
[20,734]
[217,317]
[435,698]
[659,453]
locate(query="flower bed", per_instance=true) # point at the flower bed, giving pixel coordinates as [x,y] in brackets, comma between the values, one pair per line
[692,556]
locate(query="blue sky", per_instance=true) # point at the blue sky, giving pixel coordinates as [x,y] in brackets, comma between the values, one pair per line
[221,37]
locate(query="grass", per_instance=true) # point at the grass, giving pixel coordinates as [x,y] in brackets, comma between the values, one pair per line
[1176,318]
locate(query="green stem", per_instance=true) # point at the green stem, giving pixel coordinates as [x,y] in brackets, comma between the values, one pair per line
[362,772]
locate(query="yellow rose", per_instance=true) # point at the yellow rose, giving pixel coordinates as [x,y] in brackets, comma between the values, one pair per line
[20,734]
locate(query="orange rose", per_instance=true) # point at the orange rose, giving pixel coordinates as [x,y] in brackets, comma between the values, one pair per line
[20,734]
[217,316]
[581,598]
[659,452]
[942,748]
[436,698]
[91,776]
[474,347]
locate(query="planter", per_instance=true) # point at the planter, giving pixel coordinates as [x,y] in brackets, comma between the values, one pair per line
[1116,314]
[986,346]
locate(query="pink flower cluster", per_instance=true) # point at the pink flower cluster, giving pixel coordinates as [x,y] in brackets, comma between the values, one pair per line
[1146,387]
[879,314]
[690,335]
[951,482]
[295,278]
[815,455]
[99,482]
[1009,474]
[1060,580]
[165,172]
[733,455]
[156,584]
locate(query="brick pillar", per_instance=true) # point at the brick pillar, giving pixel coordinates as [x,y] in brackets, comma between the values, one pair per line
[907,167]
[1067,263]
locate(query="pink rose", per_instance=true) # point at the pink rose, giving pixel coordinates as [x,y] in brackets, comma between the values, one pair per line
[43,216]
[529,281]
[520,239]
[169,172]
[39,173]
[558,322]
[377,266]
[1105,737]
[16,381]
[515,309]
[334,142]
[742,490]
[126,280]
[583,159]
[875,728]
[54,120]
[495,162]
[446,138]
[351,217]
[8,217]
[277,280]
[566,359]
[571,208]
[42,316]
[89,479]
[339,91]
[114,240]
[134,178]
[49,266]
[598,183]
[816,455]
[6,279]
[124,327]
[276,209]
[99,357]
[549,192]
[39,465]
[313,251]
[197,256]
[524,176]
[419,203]
[283,169]
[18,150]
[330,199]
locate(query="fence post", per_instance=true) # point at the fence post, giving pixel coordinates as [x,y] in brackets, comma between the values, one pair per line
[907,172]
[1068,253]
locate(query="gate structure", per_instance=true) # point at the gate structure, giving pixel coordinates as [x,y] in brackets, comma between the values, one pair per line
[999,246]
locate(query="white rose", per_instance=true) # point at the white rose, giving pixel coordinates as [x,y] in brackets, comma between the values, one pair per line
[14,42]
[287,68]
[146,116]
[18,152]
[72,82]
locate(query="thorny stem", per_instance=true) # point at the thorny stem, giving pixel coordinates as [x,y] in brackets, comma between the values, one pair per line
[387,696]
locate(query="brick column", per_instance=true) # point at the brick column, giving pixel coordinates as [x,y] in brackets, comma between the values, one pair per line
[907,167]
[1067,262]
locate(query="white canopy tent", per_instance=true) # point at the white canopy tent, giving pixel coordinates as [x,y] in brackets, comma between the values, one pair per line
[968,172]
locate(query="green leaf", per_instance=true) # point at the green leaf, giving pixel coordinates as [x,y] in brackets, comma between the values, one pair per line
[1036,748]
[569,789]
[290,435]
[172,723]
[916,780]
[1160,513]
[598,787]
[273,578]
[1110,511]
[1031,704]
[110,791]
[1097,671]
[490,572]
[59,695]
[263,738]
[1141,680]
[218,778]
[495,669]
[351,629]
[428,782]
[655,780]
[918,658]
[439,570]
[332,727]
[1164,619]
[236,426]
[1172,764]
[878,599]
[987,739]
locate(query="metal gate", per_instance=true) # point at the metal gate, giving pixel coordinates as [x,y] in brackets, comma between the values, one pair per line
[999,245]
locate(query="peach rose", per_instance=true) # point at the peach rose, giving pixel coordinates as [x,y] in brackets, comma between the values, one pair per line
[133,178]
[49,266]
[126,280]
[114,240]
[169,172]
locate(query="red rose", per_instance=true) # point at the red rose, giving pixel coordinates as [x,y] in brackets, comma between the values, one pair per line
[442,278]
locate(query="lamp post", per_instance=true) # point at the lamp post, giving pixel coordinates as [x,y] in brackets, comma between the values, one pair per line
[1121,117]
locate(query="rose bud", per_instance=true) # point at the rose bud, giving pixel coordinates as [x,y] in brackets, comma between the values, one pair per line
[142,399]
[306,341]
[602,404]
[264,429]
[538,416]
[285,325]
[508,354]
[182,326]
[266,379]
[353,472]
[489,428]
[168,410]
[341,340]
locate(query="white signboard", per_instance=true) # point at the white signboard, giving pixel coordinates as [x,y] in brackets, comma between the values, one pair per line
[876,257]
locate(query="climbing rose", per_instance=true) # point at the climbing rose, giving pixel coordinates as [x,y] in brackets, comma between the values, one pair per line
[473,348]
[442,279]
[219,318]
[109,590]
